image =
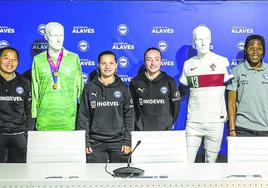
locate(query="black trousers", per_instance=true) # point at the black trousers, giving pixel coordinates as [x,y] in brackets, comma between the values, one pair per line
[103,151]
[13,148]
[248,132]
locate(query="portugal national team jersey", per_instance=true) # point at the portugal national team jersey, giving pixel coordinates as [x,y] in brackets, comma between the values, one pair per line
[55,109]
[206,79]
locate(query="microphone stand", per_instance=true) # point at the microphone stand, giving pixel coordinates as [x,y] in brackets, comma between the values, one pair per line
[129,172]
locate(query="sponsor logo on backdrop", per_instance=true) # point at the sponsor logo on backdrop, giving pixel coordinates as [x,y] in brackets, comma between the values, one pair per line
[167,62]
[123,62]
[242,29]
[41,29]
[85,77]
[39,46]
[83,46]
[83,30]
[3,44]
[240,45]
[123,46]
[125,78]
[7,29]
[87,62]
[162,45]
[122,29]
[236,61]
[162,30]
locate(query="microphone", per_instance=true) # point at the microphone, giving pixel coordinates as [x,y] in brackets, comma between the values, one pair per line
[129,172]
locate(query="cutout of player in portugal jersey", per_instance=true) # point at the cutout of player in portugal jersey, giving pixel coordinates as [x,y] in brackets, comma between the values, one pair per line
[205,75]
[56,83]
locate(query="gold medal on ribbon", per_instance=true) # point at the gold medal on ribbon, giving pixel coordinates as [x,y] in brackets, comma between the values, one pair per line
[55,86]
[56,74]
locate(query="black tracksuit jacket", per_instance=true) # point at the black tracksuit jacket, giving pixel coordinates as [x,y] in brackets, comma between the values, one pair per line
[106,112]
[156,102]
[15,105]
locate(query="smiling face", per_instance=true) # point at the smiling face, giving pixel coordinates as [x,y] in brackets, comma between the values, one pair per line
[107,65]
[254,52]
[153,61]
[8,62]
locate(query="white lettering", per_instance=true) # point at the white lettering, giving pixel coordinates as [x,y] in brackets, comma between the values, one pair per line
[7,30]
[167,63]
[126,79]
[153,101]
[108,103]
[40,46]
[163,30]
[83,30]
[123,47]
[242,30]
[10,98]
[87,63]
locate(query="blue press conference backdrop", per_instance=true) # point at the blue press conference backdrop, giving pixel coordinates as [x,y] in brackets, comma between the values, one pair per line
[129,28]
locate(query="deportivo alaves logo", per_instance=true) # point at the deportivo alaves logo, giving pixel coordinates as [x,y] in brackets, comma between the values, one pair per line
[123,46]
[87,62]
[39,45]
[4,43]
[83,29]
[125,78]
[6,29]
[242,29]
[164,30]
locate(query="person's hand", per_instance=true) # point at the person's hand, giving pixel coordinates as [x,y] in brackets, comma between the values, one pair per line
[232,133]
[125,149]
[89,151]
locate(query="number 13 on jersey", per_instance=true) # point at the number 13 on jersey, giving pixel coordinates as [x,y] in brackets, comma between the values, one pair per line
[193,81]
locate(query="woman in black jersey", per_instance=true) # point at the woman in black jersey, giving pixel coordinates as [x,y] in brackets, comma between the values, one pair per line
[15,109]
[106,113]
[155,95]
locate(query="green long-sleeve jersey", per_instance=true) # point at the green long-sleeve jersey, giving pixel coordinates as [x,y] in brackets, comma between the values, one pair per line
[56,109]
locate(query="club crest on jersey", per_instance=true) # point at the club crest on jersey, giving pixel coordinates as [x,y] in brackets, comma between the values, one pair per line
[117,94]
[93,104]
[19,90]
[163,90]
[265,76]
[213,67]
